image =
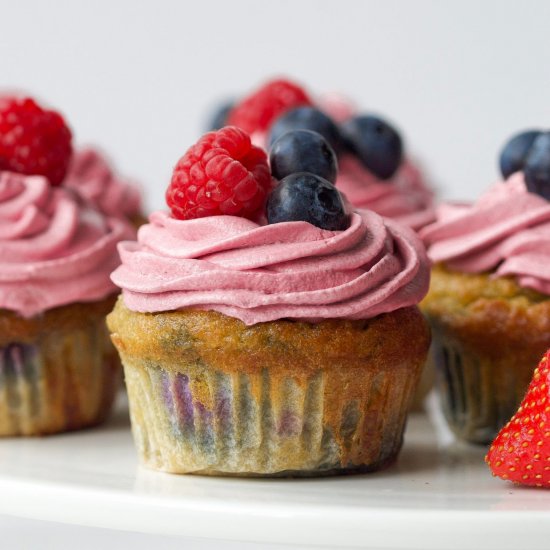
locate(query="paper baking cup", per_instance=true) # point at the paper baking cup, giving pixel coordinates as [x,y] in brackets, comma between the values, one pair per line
[426,383]
[65,381]
[193,419]
[479,394]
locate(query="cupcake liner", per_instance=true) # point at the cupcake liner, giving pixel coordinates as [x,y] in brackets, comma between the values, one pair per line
[189,418]
[426,383]
[64,381]
[479,393]
[211,395]
[488,336]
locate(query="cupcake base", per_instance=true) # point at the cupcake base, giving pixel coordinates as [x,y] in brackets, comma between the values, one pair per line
[58,372]
[479,393]
[488,336]
[211,422]
[210,395]
[426,383]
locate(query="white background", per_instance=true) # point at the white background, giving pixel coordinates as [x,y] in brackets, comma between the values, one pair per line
[138,76]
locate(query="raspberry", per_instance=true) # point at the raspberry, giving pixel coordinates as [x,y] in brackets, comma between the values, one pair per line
[257,111]
[223,173]
[33,140]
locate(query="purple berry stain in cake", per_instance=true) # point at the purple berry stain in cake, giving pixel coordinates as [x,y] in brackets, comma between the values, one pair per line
[184,401]
[223,409]
[18,362]
[167,392]
[17,359]
[289,424]
[178,400]
[168,397]
[190,418]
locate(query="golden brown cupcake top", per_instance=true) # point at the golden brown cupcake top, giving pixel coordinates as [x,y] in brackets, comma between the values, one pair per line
[211,337]
[480,307]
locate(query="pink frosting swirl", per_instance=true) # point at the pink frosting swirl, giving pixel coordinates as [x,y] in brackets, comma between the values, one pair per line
[261,273]
[92,178]
[506,231]
[405,197]
[52,251]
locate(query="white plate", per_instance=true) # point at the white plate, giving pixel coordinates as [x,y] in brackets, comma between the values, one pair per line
[439,495]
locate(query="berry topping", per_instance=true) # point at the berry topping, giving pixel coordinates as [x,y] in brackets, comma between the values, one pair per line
[223,173]
[303,151]
[537,166]
[33,140]
[218,118]
[377,144]
[309,198]
[256,112]
[521,450]
[514,153]
[307,118]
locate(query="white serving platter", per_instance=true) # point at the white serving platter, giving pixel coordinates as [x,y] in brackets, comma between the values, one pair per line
[439,495]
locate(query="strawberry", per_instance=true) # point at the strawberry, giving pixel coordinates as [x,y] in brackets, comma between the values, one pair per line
[521,451]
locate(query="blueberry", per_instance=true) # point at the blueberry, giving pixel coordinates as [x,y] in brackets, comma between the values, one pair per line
[377,144]
[537,166]
[303,151]
[218,118]
[309,198]
[514,153]
[307,118]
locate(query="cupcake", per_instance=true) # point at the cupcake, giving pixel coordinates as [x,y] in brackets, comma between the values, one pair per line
[58,369]
[489,299]
[92,178]
[267,342]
